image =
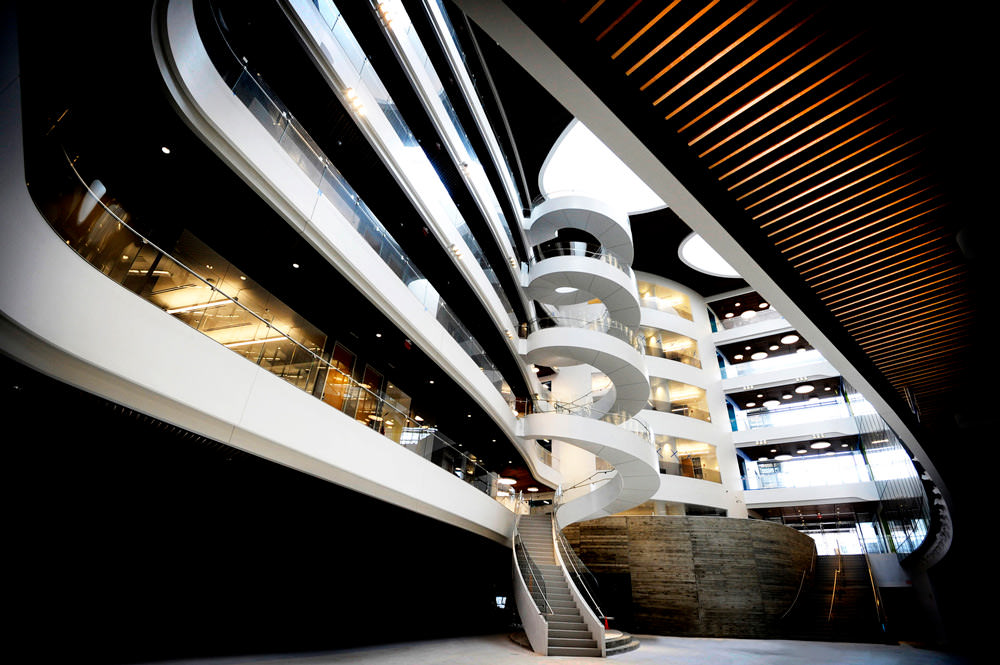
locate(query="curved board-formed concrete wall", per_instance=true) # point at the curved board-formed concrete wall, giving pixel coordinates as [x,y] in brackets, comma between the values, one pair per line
[694,576]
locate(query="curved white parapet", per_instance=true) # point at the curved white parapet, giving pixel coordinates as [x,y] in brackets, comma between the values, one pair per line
[619,360]
[71,322]
[637,475]
[589,278]
[609,225]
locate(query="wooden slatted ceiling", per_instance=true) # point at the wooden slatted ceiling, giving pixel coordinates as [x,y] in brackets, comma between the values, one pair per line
[785,106]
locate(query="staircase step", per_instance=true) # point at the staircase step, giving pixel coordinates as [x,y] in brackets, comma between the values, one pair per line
[580,633]
[588,643]
[571,621]
[574,651]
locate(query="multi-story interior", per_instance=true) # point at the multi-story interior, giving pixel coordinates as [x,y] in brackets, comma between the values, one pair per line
[322,313]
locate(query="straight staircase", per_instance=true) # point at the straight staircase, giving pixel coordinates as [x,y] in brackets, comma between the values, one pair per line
[568,634]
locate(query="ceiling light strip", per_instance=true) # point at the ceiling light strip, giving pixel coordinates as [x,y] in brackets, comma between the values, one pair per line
[850,223]
[755,78]
[803,148]
[617,21]
[897,320]
[879,273]
[778,107]
[798,261]
[592,10]
[770,91]
[711,61]
[698,44]
[871,313]
[832,206]
[684,26]
[935,279]
[835,262]
[835,178]
[882,285]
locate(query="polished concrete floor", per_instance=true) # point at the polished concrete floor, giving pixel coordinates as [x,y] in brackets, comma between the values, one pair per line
[500,650]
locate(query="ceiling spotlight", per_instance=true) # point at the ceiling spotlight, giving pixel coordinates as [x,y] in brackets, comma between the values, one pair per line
[801,451]
[507,481]
[761,459]
[789,339]
[845,445]
[760,355]
[787,396]
[165,150]
[736,304]
[532,489]
[773,347]
[750,405]
[759,395]
[746,348]
[729,315]
[295,265]
[749,314]
[804,388]
[782,458]
[763,305]
[771,403]
[819,445]
[827,388]
[738,356]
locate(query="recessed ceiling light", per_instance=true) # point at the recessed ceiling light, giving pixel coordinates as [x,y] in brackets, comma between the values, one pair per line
[749,314]
[295,265]
[804,388]
[419,419]
[761,459]
[507,481]
[773,347]
[789,339]
[786,396]
[729,315]
[801,451]
[532,489]
[565,289]
[763,305]
[378,334]
[750,405]
[760,355]
[771,403]
[844,445]
[736,304]
[774,450]
[697,254]
[738,356]
[782,458]
[819,445]
[827,388]
[813,400]
[165,150]
[431,381]
[759,395]
[746,348]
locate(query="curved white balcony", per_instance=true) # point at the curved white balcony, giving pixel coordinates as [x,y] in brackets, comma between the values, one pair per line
[574,279]
[609,225]
[633,456]
[622,362]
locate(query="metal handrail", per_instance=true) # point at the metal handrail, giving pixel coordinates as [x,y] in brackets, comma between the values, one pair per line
[812,566]
[836,577]
[542,253]
[536,586]
[564,545]
[604,325]
[879,606]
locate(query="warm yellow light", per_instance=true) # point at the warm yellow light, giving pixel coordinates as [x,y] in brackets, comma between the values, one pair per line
[191,308]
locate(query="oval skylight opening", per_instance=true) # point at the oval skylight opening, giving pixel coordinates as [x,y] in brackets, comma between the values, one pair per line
[696,253]
[580,163]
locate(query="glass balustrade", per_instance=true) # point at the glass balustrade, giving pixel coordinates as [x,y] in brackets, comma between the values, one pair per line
[810,471]
[577,248]
[749,317]
[772,364]
[198,287]
[799,414]
[409,157]
[603,325]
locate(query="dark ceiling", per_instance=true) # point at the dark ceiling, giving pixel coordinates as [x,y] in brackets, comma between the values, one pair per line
[839,142]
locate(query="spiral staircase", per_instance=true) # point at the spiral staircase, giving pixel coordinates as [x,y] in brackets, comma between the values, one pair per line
[588,312]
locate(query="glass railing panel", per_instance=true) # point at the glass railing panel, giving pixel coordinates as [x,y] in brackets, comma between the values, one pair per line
[791,415]
[233,310]
[773,364]
[758,316]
